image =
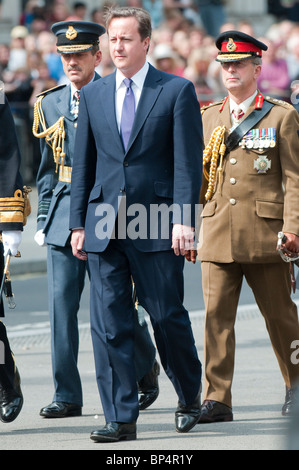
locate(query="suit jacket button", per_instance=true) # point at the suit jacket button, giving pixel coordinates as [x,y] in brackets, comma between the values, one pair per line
[126,164]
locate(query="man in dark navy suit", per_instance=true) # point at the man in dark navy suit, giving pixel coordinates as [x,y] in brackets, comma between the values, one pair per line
[151,170]
[56,113]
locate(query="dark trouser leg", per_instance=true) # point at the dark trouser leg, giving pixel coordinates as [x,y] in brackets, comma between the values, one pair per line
[66,275]
[7,363]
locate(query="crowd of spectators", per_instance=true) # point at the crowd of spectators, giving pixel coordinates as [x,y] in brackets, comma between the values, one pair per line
[183,43]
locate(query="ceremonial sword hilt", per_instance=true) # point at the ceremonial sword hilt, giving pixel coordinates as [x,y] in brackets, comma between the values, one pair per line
[6,282]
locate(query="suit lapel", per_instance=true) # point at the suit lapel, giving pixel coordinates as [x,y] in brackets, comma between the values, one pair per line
[150,92]
[107,95]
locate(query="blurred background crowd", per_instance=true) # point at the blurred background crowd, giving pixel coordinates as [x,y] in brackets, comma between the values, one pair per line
[183,43]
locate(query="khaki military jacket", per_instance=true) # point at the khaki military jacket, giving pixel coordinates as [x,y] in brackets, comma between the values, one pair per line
[259,192]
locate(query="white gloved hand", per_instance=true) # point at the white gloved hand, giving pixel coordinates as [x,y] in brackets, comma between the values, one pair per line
[39,237]
[11,241]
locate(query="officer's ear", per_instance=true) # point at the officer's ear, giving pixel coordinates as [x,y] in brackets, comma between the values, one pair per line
[257,71]
[98,58]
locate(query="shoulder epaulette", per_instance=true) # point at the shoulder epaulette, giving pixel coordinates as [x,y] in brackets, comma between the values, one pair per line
[211,105]
[285,104]
[46,92]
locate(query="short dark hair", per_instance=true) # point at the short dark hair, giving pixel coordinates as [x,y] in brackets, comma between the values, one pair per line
[141,15]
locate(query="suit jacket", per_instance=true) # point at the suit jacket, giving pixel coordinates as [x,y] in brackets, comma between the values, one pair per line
[161,166]
[54,195]
[241,221]
[10,160]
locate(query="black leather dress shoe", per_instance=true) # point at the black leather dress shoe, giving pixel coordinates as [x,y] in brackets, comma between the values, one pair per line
[213,411]
[148,387]
[291,398]
[186,417]
[59,409]
[113,432]
[11,401]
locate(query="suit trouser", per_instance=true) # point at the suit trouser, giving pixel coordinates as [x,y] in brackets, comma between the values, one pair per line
[159,282]
[66,277]
[271,287]
[7,363]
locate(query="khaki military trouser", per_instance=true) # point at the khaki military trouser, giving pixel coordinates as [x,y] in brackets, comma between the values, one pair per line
[271,287]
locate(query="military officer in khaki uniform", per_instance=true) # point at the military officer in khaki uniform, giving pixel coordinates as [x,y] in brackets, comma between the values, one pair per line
[250,193]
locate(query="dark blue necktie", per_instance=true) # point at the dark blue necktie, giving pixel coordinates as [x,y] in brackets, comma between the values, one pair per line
[128,113]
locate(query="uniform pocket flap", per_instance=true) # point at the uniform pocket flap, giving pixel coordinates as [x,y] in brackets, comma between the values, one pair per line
[269,209]
[209,209]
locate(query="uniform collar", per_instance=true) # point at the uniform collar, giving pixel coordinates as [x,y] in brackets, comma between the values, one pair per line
[244,105]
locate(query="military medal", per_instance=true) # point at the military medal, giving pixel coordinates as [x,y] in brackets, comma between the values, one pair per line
[262,164]
[267,139]
[272,138]
[255,138]
[249,140]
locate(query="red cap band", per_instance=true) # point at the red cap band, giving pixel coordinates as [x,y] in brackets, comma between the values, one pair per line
[240,47]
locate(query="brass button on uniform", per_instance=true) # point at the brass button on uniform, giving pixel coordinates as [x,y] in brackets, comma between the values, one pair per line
[232,201]
[232,180]
[233,161]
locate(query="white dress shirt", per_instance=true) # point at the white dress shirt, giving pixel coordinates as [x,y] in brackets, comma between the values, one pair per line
[120,89]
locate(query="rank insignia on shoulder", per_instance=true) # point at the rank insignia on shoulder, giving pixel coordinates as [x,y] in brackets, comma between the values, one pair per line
[262,164]
[46,92]
[214,103]
[279,102]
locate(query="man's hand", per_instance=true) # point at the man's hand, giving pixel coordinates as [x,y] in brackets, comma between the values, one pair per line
[77,241]
[292,243]
[191,256]
[183,239]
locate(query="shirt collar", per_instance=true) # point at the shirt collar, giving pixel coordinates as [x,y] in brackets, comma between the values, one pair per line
[244,105]
[73,88]
[138,78]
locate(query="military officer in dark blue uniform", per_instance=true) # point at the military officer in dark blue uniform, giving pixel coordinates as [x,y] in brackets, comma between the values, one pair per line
[55,122]
[12,209]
